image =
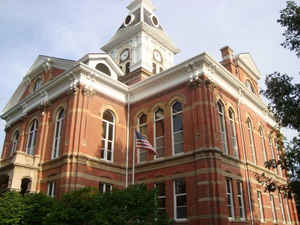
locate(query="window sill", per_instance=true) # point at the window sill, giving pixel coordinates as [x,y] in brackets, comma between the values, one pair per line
[181,220]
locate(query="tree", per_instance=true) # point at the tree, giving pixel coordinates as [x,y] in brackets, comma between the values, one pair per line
[284,97]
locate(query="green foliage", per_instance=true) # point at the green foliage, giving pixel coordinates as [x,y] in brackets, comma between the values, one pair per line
[290,20]
[12,208]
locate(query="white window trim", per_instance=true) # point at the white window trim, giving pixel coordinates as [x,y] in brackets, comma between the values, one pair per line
[172,129]
[222,122]
[233,135]
[251,139]
[229,193]
[242,206]
[281,208]
[59,126]
[106,187]
[51,189]
[260,206]
[139,129]
[15,142]
[273,209]
[154,134]
[262,142]
[30,149]
[106,140]
[175,200]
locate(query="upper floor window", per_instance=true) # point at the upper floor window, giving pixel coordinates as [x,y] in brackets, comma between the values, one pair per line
[57,133]
[32,135]
[103,68]
[127,67]
[159,132]
[249,86]
[142,126]
[108,132]
[38,84]
[251,140]
[262,142]
[15,141]
[233,132]
[154,68]
[222,126]
[177,128]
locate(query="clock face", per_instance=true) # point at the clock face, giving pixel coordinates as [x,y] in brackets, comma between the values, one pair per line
[157,56]
[124,55]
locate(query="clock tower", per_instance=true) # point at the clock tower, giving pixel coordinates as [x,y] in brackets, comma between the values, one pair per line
[140,46]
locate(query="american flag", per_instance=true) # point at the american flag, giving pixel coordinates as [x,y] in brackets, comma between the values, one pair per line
[141,142]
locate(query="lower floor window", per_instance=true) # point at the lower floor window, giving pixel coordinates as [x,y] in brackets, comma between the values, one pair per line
[51,189]
[105,187]
[229,197]
[161,196]
[180,199]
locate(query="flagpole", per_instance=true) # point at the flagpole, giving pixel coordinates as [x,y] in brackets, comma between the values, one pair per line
[133,157]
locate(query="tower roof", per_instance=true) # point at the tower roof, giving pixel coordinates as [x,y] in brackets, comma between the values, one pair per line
[141,17]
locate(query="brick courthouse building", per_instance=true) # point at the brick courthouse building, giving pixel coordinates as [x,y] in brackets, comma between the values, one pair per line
[70,124]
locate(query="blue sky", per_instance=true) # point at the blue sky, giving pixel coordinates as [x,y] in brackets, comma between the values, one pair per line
[69,29]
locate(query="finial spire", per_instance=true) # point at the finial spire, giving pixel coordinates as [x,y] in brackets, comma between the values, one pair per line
[135,4]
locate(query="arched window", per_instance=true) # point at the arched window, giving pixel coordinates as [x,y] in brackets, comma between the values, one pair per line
[57,133]
[233,132]
[251,140]
[177,128]
[271,147]
[108,132]
[142,125]
[222,126]
[127,67]
[103,68]
[33,128]
[15,141]
[249,86]
[159,132]
[38,84]
[262,142]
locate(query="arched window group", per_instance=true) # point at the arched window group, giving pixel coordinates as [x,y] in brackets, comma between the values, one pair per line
[177,128]
[222,125]
[233,132]
[251,140]
[142,127]
[108,130]
[15,141]
[262,143]
[159,132]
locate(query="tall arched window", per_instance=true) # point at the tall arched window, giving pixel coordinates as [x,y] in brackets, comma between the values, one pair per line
[249,86]
[57,133]
[108,133]
[159,132]
[222,126]
[262,142]
[142,125]
[272,149]
[233,132]
[177,128]
[15,141]
[33,128]
[251,140]
[38,84]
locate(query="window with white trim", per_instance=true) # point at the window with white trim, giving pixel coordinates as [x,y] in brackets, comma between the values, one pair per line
[161,196]
[249,86]
[229,196]
[240,199]
[177,128]
[288,211]
[180,200]
[222,125]
[262,143]
[57,133]
[51,189]
[273,209]
[108,133]
[278,156]
[233,133]
[281,208]
[251,140]
[159,132]
[272,149]
[260,206]
[15,142]
[38,84]
[32,135]
[142,126]
[105,187]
